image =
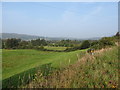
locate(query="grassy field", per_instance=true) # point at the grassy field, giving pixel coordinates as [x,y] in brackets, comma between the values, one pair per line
[55,48]
[97,71]
[16,62]
[75,69]
[0,65]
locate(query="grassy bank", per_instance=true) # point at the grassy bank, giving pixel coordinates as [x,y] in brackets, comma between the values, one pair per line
[19,63]
[97,71]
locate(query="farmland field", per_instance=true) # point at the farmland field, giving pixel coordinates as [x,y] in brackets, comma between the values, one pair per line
[55,48]
[18,61]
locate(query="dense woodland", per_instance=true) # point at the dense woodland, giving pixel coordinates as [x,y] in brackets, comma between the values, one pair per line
[71,45]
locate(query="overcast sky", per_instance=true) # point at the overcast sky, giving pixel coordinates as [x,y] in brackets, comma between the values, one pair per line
[61,19]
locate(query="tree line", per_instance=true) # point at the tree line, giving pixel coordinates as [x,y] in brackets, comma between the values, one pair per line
[97,44]
[14,43]
[71,45]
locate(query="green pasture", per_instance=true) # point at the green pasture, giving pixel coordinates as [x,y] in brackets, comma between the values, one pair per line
[55,48]
[15,62]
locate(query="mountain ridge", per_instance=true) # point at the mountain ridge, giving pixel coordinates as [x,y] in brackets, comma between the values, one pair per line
[32,37]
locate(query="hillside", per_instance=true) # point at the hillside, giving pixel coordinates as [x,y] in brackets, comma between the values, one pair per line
[31,37]
[98,71]
[21,36]
[32,60]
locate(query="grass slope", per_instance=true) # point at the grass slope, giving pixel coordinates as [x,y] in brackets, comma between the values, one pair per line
[18,61]
[98,71]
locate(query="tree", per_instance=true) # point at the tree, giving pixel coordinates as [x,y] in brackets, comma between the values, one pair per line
[106,41]
[103,43]
[39,42]
[23,44]
[12,43]
[85,44]
[94,43]
[39,47]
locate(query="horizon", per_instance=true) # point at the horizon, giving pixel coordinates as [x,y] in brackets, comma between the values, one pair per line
[59,37]
[63,19]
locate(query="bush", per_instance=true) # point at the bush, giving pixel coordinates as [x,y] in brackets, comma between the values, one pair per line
[106,42]
[85,44]
[103,43]
[39,47]
[94,43]
[96,47]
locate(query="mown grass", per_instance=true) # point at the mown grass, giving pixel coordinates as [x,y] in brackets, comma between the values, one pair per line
[55,48]
[17,62]
[97,71]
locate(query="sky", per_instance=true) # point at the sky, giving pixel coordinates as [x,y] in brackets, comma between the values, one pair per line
[60,19]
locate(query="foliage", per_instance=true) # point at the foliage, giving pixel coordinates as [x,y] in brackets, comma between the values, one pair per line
[23,44]
[104,42]
[39,42]
[39,48]
[34,44]
[94,43]
[65,43]
[12,43]
[85,44]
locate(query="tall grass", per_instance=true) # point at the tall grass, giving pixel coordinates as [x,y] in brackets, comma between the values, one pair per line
[91,71]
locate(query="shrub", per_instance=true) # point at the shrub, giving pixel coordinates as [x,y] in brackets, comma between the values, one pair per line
[96,47]
[106,42]
[103,43]
[39,47]
[94,43]
[85,44]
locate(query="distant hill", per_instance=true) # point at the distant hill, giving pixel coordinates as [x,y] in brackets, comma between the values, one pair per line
[31,37]
[94,38]
[21,36]
[27,37]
